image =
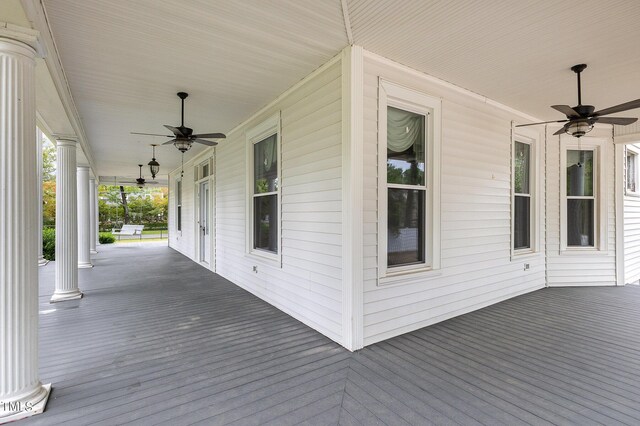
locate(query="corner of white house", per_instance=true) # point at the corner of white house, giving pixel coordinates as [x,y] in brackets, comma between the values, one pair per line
[300,191]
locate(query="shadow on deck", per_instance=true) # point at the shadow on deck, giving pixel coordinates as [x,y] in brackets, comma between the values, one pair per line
[158,339]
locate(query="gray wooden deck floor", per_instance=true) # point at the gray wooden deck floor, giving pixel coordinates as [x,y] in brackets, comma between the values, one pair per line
[160,340]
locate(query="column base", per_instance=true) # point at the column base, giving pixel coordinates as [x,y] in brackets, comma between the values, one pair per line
[62,297]
[85,265]
[94,252]
[42,261]
[27,407]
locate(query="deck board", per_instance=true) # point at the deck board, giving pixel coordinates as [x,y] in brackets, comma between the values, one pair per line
[161,340]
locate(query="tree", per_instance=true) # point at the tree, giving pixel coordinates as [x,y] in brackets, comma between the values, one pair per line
[147,205]
[48,162]
[123,196]
[49,202]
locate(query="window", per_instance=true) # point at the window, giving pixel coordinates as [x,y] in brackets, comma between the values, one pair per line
[581,198]
[203,170]
[406,187]
[179,205]
[632,172]
[264,154]
[409,152]
[583,205]
[522,196]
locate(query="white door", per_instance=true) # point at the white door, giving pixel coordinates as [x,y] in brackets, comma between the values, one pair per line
[205,240]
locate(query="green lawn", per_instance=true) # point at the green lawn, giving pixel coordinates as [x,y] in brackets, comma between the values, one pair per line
[154,231]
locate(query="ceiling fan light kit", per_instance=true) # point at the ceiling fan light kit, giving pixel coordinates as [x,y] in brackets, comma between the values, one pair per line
[581,118]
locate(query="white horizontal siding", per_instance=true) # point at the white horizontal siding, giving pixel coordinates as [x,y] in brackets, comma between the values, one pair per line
[476,266]
[579,269]
[183,241]
[631,236]
[308,286]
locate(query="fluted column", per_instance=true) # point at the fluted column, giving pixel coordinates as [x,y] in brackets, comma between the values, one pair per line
[92,215]
[96,218]
[84,218]
[66,222]
[21,393]
[41,260]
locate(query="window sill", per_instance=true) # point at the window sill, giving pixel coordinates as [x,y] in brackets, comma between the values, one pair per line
[408,276]
[525,254]
[581,251]
[266,258]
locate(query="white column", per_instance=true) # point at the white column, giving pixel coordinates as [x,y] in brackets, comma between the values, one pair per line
[84,218]
[92,215]
[21,393]
[97,216]
[66,222]
[41,260]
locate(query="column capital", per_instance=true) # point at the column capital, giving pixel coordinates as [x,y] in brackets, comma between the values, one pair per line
[24,37]
[83,168]
[64,140]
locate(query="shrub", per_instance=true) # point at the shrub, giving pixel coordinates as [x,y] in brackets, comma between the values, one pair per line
[106,238]
[49,243]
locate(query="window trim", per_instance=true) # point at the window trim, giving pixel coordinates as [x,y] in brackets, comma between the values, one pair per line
[395,95]
[531,138]
[269,127]
[596,145]
[630,149]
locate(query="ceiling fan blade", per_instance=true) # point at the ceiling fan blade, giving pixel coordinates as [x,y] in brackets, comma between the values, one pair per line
[169,142]
[619,108]
[566,110]
[175,131]
[211,136]
[622,121]
[150,134]
[563,130]
[542,122]
[205,142]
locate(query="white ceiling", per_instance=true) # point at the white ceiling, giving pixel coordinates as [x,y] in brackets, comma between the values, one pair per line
[125,60]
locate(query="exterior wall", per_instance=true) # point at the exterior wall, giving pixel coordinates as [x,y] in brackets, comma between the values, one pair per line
[183,241]
[632,234]
[308,283]
[595,268]
[477,267]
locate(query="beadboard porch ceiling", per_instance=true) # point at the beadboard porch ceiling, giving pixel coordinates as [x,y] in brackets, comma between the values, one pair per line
[126,60]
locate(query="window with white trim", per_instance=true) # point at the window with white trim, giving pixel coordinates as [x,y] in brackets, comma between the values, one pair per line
[409,133]
[179,205]
[523,201]
[264,160]
[631,185]
[581,198]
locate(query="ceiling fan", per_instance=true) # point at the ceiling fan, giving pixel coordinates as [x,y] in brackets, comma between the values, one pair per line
[139,181]
[183,137]
[581,118]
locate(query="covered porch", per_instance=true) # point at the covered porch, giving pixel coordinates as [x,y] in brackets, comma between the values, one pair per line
[164,340]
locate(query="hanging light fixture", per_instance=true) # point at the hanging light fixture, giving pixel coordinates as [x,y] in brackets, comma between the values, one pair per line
[183,144]
[140,180]
[580,128]
[154,166]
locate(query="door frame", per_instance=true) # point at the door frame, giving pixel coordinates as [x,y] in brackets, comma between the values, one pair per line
[211,210]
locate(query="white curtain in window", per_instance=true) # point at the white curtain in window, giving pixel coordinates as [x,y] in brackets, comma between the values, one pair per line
[405,129]
[269,151]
